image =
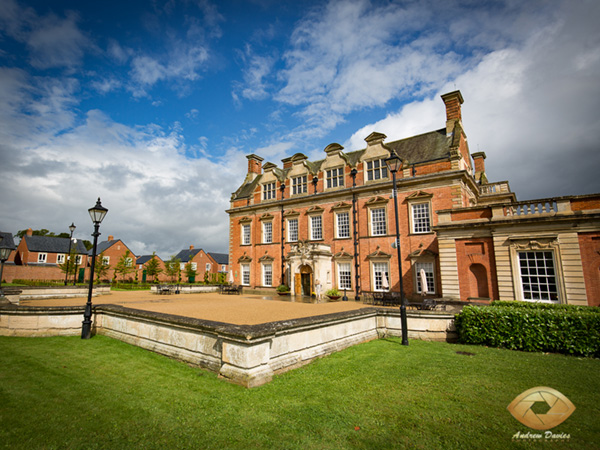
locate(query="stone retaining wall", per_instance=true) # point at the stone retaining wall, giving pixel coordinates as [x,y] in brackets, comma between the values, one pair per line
[245,354]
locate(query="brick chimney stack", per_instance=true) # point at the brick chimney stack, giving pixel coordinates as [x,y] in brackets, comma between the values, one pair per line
[29,232]
[254,165]
[479,163]
[111,238]
[191,247]
[452,100]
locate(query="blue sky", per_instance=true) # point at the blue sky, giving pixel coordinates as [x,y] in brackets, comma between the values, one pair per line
[153,105]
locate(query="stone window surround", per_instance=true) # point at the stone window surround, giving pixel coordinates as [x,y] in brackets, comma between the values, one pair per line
[536,243]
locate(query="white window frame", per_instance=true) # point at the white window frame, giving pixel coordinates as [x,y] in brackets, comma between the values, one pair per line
[293,229]
[335,177]
[61,258]
[316,232]
[429,267]
[223,267]
[267,274]
[106,260]
[340,225]
[245,272]
[538,276]
[269,191]
[420,222]
[246,231]
[376,271]
[128,262]
[42,258]
[344,281]
[300,185]
[207,267]
[194,266]
[267,235]
[376,169]
[78,260]
[376,230]
[182,266]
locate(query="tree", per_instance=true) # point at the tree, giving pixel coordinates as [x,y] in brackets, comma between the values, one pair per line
[124,266]
[153,268]
[101,269]
[173,267]
[69,266]
[190,272]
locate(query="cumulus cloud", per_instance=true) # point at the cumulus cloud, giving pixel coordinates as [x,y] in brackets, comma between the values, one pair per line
[142,174]
[531,106]
[52,41]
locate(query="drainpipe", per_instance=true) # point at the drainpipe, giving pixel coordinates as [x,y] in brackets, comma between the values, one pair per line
[282,189]
[353,173]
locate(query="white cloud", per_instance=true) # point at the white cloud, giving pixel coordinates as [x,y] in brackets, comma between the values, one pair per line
[142,173]
[532,107]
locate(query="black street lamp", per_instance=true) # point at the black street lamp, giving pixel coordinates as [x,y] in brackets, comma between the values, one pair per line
[72,228]
[97,214]
[76,265]
[394,164]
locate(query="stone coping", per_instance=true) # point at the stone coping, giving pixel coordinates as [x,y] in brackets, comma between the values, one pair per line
[242,332]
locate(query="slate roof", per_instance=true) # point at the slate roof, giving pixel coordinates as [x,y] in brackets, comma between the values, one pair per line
[220,258]
[7,240]
[145,258]
[425,147]
[47,244]
[184,255]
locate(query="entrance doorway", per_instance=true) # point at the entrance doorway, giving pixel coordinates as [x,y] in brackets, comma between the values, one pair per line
[304,281]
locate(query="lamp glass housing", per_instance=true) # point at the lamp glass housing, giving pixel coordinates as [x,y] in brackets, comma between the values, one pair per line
[98,212]
[4,253]
[72,227]
[394,162]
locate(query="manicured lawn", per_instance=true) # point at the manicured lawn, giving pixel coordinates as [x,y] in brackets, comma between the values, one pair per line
[65,393]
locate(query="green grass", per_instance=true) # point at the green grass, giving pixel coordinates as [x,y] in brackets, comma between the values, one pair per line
[66,393]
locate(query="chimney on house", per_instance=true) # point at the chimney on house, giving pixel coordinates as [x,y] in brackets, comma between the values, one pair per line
[254,165]
[111,238]
[479,163]
[452,100]
[29,232]
[191,247]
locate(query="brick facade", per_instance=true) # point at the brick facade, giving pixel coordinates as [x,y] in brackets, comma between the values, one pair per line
[471,238]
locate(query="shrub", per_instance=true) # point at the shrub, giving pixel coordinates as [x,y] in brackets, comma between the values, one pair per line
[532,327]
[333,293]
[283,288]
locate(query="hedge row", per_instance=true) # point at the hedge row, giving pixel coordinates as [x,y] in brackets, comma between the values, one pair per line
[573,331]
[552,306]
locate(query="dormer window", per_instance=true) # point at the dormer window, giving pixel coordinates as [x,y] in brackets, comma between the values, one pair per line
[335,177]
[269,191]
[376,170]
[299,185]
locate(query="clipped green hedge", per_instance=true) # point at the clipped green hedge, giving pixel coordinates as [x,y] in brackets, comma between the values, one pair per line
[534,328]
[546,306]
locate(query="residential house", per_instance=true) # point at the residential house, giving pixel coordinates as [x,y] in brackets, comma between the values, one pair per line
[207,265]
[332,223]
[112,251]
[47,253]
[141,264]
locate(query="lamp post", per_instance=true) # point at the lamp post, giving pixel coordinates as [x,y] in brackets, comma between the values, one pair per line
[97,214]
[76,264]
[282,189]
[72,229]
[394,164]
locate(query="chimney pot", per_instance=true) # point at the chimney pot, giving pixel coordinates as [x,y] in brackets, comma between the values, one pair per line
[111,238]
[191,247]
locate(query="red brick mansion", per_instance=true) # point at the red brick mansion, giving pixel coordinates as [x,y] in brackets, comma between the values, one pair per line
[331,223]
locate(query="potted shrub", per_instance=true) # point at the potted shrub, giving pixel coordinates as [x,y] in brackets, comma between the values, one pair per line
[283,289]
[333,294]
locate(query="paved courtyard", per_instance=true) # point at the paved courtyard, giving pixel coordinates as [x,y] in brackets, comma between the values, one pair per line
[235,309]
